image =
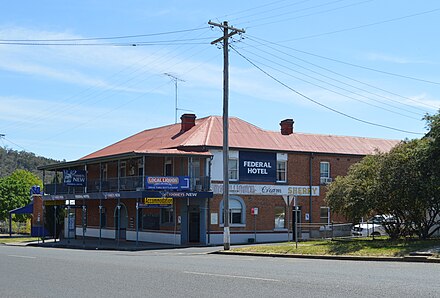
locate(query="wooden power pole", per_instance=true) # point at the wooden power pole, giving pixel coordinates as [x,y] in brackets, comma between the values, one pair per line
[228,31]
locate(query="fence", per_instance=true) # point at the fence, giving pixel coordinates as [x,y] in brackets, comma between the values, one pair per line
[322,231]
[17,227]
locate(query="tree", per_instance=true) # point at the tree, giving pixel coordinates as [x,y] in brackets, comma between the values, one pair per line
[403,183]
[15,191]
[356,194]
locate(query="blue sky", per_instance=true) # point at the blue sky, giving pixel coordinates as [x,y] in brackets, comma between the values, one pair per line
[375,60]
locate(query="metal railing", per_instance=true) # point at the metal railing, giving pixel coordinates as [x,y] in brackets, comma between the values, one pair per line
[131,183]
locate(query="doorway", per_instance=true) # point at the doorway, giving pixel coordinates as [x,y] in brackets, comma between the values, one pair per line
[121,219]
[194,226]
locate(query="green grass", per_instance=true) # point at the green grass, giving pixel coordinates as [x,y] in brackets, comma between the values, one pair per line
[17,239]
[381,247]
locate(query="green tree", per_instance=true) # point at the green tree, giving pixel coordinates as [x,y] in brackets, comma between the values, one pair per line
[15,191]
[356,194]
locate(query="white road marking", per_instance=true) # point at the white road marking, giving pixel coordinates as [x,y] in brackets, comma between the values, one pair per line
[231,276]
[24,257]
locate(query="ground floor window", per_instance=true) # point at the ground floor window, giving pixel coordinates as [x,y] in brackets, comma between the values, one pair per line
[167,215]
[237,211]
[103,217]
[150,219]
[280,214]
[325,215]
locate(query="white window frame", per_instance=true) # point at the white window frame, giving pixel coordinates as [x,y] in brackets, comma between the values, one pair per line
[324,176]
[243,212]
[327,214]
[277,219]
[284,172]
[232,170]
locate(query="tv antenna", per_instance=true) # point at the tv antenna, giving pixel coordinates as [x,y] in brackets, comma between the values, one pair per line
[176,80]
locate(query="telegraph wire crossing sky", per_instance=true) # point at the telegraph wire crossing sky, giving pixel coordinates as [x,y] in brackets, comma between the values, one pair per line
[77,77]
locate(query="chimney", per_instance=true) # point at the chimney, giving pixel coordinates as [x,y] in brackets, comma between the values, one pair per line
[286,127]
[188,121]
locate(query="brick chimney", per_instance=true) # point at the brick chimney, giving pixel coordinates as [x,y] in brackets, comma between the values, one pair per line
[286,126]
[188,121]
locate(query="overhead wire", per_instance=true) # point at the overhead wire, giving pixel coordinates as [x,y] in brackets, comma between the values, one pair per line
[340,75]
[363,26]
[140,67]
[319,103]
[103,38]
[361,67]
[335,86]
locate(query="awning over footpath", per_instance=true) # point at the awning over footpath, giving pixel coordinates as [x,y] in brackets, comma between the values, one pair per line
[28,209]
[23,210]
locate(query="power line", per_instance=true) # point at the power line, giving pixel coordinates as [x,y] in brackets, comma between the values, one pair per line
[102,38]
[306,15]
[356,65]
[363,26]
[319,103]
[346,77]
[333,85]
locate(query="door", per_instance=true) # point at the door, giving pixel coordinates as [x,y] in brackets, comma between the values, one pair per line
[122,220]
[194,226]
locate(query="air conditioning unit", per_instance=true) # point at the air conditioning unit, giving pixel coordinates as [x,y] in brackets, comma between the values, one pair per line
[326,180]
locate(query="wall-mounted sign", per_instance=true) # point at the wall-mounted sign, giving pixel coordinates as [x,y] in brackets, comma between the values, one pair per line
[167,182]
[74,177]
[35,190]
[267,190]
[157,203]
[257,166]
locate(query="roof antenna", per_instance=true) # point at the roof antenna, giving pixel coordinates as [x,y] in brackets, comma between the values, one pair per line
[175,79]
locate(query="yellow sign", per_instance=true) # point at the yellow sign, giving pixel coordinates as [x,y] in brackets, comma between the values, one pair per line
[54,203]
[158,201]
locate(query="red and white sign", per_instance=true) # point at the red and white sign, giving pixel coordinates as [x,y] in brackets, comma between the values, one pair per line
[254,211]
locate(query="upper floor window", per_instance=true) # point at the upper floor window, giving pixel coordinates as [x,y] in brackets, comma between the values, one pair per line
[324,172]
[122,169]
[233,169]
[168,170]
[281,171]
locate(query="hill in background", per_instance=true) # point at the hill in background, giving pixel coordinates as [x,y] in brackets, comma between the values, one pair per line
[11,160]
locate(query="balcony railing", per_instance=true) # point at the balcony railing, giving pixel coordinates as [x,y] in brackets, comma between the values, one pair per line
[131,183]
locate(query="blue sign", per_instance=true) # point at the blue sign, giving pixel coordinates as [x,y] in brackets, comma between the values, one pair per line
[35,190]
[74,177]
[257,166]
[167,182]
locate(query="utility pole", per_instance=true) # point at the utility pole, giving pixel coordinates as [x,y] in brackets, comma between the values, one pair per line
[225,40]
[175,79]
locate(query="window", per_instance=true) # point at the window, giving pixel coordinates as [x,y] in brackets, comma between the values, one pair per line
[280,214]
[103,215]
[281,171]
[166,215]
[236,211]
[325,215]
[168,171]
[122,169]
[233,169]
[324,169]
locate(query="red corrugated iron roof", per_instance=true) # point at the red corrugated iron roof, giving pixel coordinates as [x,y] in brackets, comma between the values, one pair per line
[208,132]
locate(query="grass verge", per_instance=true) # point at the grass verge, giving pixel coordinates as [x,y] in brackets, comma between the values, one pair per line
[17,239]
[354,247]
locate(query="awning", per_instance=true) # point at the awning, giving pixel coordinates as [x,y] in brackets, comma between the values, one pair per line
[23,210]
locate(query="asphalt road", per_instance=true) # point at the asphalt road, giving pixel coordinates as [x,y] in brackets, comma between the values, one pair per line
[190,272]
